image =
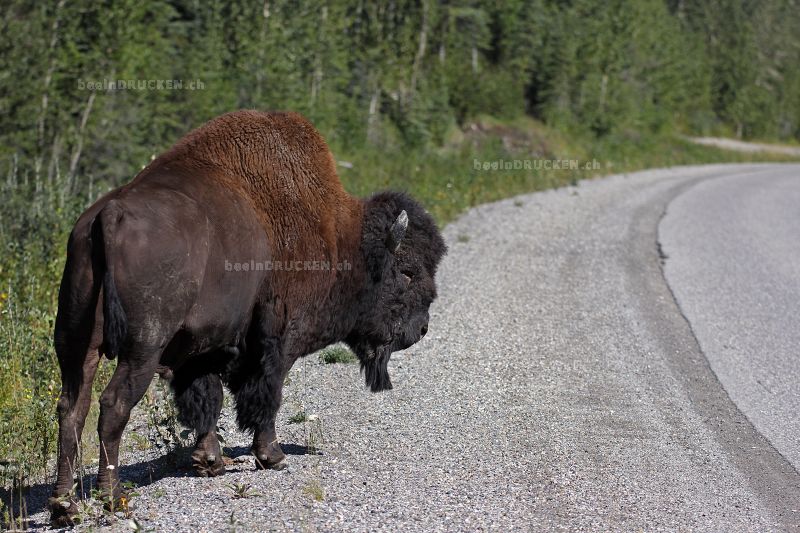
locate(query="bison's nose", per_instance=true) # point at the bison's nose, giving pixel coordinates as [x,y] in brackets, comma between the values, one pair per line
[423,331]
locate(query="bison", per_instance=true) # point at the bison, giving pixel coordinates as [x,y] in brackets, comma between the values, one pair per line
[225,260]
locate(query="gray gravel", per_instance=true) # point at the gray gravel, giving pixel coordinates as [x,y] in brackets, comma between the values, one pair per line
[559,388]
[749,147]
[733,247]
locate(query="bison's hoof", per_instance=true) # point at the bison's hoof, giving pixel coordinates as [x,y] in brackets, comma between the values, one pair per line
[207,465]
[273,459]
[268,464]
[269,456]
[62,511]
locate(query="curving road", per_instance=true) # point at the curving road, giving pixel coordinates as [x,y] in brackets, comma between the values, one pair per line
[733,247]
[560,387]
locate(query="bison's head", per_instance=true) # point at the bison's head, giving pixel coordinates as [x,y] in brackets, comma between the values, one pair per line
[401,247]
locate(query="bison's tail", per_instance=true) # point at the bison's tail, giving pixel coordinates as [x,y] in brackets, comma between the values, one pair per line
[115,322]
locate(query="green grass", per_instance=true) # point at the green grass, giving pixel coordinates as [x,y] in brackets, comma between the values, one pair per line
[241,491]
[35,222]
[447,182]
[298,418]
[337,354]
[314,490]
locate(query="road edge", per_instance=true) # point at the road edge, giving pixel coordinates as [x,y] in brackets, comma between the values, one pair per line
[770,476]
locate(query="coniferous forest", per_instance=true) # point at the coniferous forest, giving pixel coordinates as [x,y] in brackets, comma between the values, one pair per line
[399,72]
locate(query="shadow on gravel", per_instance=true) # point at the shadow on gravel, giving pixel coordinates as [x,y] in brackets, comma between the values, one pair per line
[289,449]
[176,464]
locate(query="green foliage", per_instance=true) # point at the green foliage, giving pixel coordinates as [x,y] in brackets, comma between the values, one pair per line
[390,74]
[241,491]
[337,354]
[314,490]
[29,274]
[298,418]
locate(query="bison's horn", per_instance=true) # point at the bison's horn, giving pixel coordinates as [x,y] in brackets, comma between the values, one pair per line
[397,231]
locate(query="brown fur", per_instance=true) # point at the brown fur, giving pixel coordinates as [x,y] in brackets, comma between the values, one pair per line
[280,164]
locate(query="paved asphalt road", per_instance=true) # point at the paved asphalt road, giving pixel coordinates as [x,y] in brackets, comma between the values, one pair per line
[560,387]
[733,248]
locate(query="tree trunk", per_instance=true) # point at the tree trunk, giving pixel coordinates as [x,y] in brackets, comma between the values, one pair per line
[48,78]
[423,42]
[76,153]
[372,123]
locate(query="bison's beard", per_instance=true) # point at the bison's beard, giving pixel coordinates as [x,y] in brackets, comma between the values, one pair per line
[376,370]
[374,365]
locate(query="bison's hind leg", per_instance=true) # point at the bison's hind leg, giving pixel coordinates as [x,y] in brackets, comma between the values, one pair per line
[78,366]
[134,372]
[198,397]
[78,335]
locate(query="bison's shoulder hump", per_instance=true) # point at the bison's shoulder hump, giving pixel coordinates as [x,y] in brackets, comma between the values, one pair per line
[250,144]
[250,127]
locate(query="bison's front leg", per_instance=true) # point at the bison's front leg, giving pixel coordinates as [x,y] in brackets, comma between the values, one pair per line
[199,402]
[267,450]
[258,398]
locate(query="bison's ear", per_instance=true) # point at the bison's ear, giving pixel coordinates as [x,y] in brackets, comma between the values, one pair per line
[397,231]
[381,239]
